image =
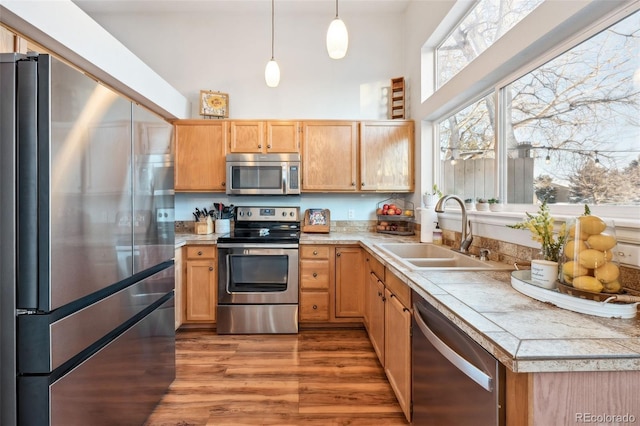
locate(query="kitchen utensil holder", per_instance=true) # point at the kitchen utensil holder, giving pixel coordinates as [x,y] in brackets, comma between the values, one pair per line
[205,226]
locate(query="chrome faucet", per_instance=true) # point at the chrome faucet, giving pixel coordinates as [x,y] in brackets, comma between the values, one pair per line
[467,237]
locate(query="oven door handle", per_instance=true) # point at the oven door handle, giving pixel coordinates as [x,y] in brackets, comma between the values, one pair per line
[258,245]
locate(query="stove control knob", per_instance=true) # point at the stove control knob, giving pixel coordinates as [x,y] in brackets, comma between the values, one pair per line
[292,214]
[240,213]
[249,213]
[284,214]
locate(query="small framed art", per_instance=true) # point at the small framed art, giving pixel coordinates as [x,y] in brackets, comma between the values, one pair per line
[214,104]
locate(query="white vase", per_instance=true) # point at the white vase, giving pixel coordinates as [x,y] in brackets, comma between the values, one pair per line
[482,207]
[498,207]
[544,273]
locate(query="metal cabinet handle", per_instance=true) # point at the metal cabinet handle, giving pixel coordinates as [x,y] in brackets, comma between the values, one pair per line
[338,254]
[315,253]
[384,299]
[315,275]
[260,146]
[362,184]
[315,307]
[224,183]
[268,146]
[199,253]
[379,294]
[211,268]
[353,184]
[470,370]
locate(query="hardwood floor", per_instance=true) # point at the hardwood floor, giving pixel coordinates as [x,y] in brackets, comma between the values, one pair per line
[313,378]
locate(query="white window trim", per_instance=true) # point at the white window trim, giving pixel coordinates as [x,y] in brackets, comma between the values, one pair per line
[571,23]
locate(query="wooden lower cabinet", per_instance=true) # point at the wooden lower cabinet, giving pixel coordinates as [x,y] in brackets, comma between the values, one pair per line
[200,284]
[331,284]
[315,281]
[179,274]
[397,353]
[349,297]
[388,321]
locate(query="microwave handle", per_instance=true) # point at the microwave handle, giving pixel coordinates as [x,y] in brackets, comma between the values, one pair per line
[285,173]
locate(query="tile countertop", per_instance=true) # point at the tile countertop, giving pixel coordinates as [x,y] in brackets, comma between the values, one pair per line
[524,334]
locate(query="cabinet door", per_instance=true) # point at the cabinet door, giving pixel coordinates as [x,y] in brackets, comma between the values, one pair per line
[329,156]
[179,289]
[376,301]
[200,290]
[283,136]
[350,280]
[397,362]
[201,147]
[386,156]
[247,136]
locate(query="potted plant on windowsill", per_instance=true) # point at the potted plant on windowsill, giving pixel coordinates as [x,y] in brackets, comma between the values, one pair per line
[431,198]
[544,269]
[482,205]
[469,204]
[495,205]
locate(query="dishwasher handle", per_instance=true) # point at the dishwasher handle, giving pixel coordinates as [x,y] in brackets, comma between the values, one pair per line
[470,370]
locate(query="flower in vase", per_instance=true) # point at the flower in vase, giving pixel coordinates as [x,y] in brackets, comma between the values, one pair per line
[541,228]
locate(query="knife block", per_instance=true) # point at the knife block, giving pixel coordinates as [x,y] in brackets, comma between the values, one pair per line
[204,227]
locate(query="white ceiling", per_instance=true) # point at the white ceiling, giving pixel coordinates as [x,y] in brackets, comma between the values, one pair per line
[345,7]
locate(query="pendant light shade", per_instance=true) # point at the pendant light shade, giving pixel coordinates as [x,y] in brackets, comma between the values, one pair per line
[272,70]
[337,38]
[272,73]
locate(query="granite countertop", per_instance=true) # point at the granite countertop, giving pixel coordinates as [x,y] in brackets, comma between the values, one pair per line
[524,334]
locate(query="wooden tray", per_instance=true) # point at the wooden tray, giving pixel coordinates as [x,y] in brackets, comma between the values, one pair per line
[317,221]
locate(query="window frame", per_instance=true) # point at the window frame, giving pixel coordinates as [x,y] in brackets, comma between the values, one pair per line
[445,102]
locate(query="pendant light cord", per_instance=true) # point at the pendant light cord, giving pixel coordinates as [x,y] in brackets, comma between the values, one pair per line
[272,26]
[336,8]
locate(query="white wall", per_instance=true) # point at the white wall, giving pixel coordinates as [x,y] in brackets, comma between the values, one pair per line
[228,53]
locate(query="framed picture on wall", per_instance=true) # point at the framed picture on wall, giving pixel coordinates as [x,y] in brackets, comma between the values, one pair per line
[214,104]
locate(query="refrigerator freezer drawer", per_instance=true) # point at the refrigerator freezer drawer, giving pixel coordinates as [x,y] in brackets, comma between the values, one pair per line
[118,385]
[45,343]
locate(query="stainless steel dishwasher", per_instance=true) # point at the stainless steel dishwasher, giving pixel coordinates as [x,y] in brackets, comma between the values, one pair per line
[455,380]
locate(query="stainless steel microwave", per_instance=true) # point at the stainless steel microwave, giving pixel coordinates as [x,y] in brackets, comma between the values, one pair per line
[263,174]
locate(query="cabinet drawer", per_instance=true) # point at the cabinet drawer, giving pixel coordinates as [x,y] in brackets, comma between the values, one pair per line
[399,288]
[314,252]
[376,267]
[314,274]
[201,252]
[314,306]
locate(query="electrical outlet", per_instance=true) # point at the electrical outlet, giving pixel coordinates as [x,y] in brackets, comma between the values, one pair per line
[351,214]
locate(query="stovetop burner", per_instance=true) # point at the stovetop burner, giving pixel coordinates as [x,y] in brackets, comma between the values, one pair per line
[265,225]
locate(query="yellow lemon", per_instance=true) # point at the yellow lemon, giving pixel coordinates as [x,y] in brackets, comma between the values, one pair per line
[574,269]
[612,287]
[607,273]
[573,247]
[587,283]
[601,242]
[591,258]
[591,224]
[567,278]
[581,234]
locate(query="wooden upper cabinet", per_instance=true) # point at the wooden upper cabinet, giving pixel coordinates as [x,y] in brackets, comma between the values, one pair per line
[329,156]
[264,136]
[387,156]
[247,136]
[283,136]
[201,147]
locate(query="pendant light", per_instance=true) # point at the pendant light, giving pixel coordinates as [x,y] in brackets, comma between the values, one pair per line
[272,71]
[337,38]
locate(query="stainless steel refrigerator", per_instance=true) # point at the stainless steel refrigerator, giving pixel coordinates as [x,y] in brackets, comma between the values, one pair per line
[86,260]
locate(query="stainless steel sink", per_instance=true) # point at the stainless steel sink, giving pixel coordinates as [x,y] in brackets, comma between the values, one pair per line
[421,256]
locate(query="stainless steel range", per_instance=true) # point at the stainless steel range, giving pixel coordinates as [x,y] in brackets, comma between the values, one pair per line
[258,272]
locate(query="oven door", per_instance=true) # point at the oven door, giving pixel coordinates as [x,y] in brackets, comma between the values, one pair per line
[257,273]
